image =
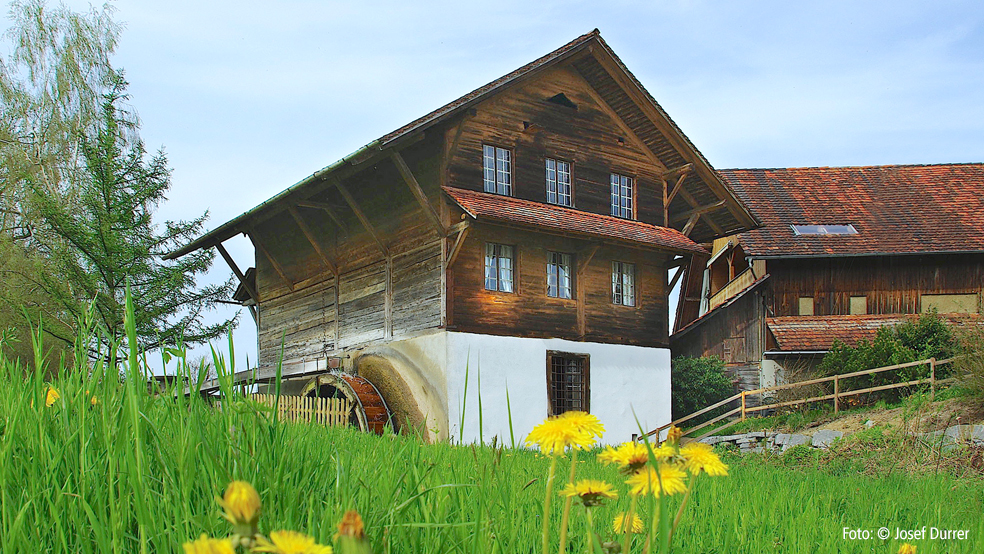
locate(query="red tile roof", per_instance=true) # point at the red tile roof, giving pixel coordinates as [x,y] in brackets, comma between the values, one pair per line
[896,209]
[494,207]
[817,333]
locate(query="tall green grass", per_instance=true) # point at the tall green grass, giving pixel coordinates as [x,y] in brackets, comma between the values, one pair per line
[140,472]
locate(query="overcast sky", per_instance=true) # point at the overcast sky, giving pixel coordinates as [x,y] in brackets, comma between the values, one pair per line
[247,98]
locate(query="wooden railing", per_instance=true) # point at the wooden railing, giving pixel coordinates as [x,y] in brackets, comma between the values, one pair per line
[743,410]
[326,411]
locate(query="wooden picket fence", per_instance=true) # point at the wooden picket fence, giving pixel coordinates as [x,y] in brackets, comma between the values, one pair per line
[333,412]
[743,410]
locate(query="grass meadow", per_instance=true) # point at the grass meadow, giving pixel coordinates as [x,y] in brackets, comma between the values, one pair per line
[108,467]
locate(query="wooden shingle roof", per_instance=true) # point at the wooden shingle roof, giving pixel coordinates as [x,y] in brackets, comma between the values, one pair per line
[483,206]
[818,333]
[901,209]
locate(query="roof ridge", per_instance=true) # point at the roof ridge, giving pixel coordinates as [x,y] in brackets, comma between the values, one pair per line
[882,166]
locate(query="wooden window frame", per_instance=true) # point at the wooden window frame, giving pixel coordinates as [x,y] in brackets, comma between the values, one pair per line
[510,189]
[498,268]
[556,181]
[632,196]
[552,408]
[571,264]
[621,273]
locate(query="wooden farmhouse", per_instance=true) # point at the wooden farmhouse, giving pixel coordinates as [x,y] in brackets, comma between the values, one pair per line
[516,240]
[842,252]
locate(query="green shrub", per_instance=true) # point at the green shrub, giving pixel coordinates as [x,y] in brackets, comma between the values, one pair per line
[927,337]
[697,383]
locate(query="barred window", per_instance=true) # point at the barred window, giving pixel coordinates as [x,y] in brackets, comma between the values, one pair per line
[498,267]
[559,183]
[621,196]
[567,382]
[497,165]
[623,283]
[560,283]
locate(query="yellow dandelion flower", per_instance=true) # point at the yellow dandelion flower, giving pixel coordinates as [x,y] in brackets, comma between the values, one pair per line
[630,457]
[51,397]
[585,422]
[670,478]
[621,524]
[242,507]
[351,525]
[701,457]
[206,545]
[557,433]
[289,542]
[591,491]
[907,549]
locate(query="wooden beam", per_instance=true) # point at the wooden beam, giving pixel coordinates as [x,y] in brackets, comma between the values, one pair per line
[581,293]
[456,248]
[388,300]
[459,129]
[583,261]
[418,193]
[678,171]
[693,202]
[629,133]
[666,203]
[362,217]
[328,208]
[676,188]
[676,277]
[699,210]
[239,274]
[690,225]
[310,237]
[254,237]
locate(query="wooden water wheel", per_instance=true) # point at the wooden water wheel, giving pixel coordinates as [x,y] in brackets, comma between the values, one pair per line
[369,411]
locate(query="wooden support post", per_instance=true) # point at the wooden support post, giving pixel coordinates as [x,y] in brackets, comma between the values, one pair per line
[582,265]
[836,394]
[311,239]
[418,193]
[743,405]
[362,217]
[676,277]
[239,274]
[932,379]
[456,248]
[699,210]
[666,203]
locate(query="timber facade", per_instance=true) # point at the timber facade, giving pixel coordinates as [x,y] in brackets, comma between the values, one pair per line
[842,252]
[538,214]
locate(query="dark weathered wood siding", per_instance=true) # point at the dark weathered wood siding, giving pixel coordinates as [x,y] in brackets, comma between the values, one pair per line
[892,284]
[379,296]
[529,312]
[523,121]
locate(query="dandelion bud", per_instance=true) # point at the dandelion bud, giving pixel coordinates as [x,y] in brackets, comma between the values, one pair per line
[673,435]
[351,536]
[242,507]
[51,397]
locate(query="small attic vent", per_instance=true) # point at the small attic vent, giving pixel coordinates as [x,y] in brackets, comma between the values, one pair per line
[824,229]
[562,100]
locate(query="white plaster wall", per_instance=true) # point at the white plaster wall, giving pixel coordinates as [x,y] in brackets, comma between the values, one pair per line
[627,382]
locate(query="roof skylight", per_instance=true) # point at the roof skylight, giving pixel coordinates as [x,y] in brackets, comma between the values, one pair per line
[824,229]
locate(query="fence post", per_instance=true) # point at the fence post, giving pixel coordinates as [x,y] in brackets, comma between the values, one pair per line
[836,393]
[743,405]
[932,379]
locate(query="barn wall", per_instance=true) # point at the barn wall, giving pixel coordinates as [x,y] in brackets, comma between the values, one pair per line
[892,284]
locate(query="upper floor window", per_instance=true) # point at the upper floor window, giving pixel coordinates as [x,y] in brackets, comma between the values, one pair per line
[560,283]
[499,267]
[559,183]
[623,284]
[498,169]
[621,196]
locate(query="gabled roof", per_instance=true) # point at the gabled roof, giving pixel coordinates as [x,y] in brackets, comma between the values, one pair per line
[604,71]
[818,333]
[896,209]
[483,206]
